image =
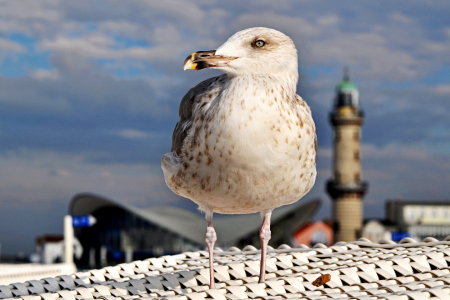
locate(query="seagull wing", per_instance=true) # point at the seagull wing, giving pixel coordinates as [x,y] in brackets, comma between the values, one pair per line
[197,98]
[304,111]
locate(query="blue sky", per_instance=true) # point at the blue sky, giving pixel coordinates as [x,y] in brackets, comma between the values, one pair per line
[89,95]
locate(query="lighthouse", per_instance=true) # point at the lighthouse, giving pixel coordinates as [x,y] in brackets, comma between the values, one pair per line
[346,187]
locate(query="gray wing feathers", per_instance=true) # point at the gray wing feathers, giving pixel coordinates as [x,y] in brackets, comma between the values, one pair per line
[194,98]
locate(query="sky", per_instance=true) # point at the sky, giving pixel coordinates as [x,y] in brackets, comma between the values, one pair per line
[89,95]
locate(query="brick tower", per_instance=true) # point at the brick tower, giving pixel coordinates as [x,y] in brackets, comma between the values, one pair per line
[346,187]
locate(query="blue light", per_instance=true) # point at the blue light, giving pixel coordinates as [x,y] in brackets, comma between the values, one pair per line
[398,236]
[82,221]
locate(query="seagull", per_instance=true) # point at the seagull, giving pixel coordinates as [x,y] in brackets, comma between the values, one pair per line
[245,141]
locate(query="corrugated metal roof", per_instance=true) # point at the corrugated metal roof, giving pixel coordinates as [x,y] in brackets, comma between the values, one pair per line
[358,270]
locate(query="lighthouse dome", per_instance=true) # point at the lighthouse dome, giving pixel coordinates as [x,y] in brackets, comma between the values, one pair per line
[347,93]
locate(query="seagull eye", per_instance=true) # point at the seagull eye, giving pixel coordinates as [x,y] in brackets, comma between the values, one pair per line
[260,43]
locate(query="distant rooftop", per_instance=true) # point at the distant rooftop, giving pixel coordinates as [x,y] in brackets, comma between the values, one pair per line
[358,270]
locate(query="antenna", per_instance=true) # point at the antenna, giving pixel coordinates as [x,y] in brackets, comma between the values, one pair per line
[346,74]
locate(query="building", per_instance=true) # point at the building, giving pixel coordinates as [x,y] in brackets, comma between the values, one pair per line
[50,249]
[376,230]
[314,233]
[346,187]
[123,232]
[419,219]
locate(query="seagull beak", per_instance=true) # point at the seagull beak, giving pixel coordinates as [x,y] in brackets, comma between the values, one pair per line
[206,59]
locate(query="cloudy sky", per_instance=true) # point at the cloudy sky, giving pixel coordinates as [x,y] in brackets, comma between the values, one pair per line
[89,93]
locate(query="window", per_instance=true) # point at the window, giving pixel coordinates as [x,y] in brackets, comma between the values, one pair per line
[337,136]
[356,155]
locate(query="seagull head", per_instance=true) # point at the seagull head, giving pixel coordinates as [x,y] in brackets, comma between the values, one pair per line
[252,51]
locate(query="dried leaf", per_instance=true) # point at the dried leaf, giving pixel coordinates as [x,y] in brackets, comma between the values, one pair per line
[322,279]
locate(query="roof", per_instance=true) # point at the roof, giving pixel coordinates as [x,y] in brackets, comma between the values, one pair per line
[417,202]
[193,226]
[345,86]
[359,270]
[49,238]
[21,272]
[309,225]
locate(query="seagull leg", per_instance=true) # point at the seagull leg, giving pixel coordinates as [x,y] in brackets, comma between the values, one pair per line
[265,235]
[211,238]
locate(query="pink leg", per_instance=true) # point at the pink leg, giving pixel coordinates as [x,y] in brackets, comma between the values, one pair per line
[211,238]
[265,235]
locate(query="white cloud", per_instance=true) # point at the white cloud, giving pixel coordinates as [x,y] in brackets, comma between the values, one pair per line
[43,74]
[406,171]
[8,45]
[90,46]
[325,153]
[8,26]
[328,20]
[34,177]
[292,26]
[28,95]
[442,89]
[437,47]
[30,9]
[393,151]
[184,11]
[103,47]
[387,49]
[400,18]
[131,133]
[370,53]
[120,27]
